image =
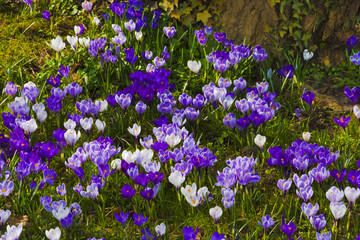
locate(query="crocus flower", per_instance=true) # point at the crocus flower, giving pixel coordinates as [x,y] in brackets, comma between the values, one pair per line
[194,66]
[135,130]
[217,236]
[86,123]
[100,125]
[96,21]
[13,232]
[306,136]
[4,215]
[323,236]
[305,193]
[46,15]
[289,229]
[122,218]
[176,178]
[189,233]
[352,41]
[260,141]
[87,5]
[11,89]
[169,31]
[308,97]
[6,187]
[307,55]
[130,25]
[338,175]
[342,122]
[352,94]
[286,71]
[71,137]
[216,213]
[309,209]
[338,209]
[61,190]
[57,44]
[160,229]
[355,59]
[352,194]
[318,221]
[284,185]
[53,234]
[29,126]
[139,219]
[220,37]
[266,222]
[334,194]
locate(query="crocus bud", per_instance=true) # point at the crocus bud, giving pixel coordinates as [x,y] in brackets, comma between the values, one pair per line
[160,229]
[71,136]
[306,136]
[176,178]
[100,125]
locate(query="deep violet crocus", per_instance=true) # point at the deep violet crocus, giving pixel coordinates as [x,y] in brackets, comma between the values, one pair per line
[289,229]
[342,122]
[127,191]
[339,176]
[286,71]
[121,218]
[139,219]
[352,94]
[46,15]
[189,233]
[308,97]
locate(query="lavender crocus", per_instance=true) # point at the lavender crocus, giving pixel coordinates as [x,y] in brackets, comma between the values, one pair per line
[169,31]
[284,185]
[318,221]
[122,218]
[266,222]
[309,210]
[11,89]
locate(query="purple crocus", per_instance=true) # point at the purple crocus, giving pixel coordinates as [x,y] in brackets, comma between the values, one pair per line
[266,222]
[352,41]
[122,218]
[284,185]
[309,209]
[305,193]
[220,37]
[286,71]
[169,31]
[64,71]
[11,89]
[342,122]
[352,94]
[259,54]
[189,233]
[54,81]
[217,236]
[289,229]
[61,190]
[28,2]
[338,175]
[46,15]
[127,191]
[308,97]
[139,219]
[6,187]
[355,59]
[318,221]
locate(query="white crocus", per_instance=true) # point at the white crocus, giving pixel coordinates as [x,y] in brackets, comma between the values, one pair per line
[4,215]
[29,126]
[57,44]
[176,178]
[356,111]
[194,200]
[86,123]
[53,234]
[172,140]
[71,136]
[116,164]
[160,229]
[77,30]
[38,107]
[84,42]
[307,55]
[96,21]
[260,141]
[216,213]
[103,105]
[61,213]
[352,194]
[70,124]
[189,191]
[128,156]
[226,102]
[334,194]
[13,232]
[194,66]
[100,125]
[306,136]
[139,36]
[72,41]
[42,116]
[135,130]
[338,209]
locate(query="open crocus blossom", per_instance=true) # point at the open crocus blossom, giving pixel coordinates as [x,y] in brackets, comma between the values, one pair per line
[57,44]
[338,209]
[334,194]
[266,222]
[342,122]
[135,130]
[216,213]
[160,229]
[53,234]
[194,66]
[307,55]
[289,229]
